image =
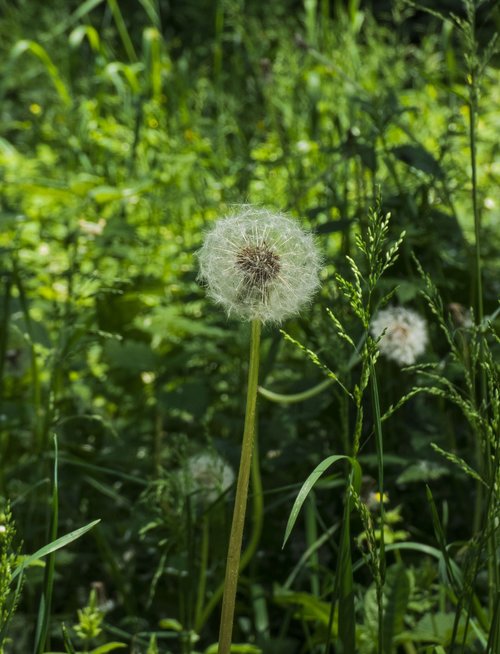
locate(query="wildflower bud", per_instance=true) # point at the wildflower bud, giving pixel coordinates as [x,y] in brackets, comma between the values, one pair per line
[402,334]
[259,265]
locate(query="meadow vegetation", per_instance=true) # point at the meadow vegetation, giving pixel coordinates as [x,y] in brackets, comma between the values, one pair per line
[128,128]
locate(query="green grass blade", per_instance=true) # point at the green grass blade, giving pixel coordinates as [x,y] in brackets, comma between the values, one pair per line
[122,30]
[152,53]
[38,51]
[347,619]
[52,547]
[311,481]
[441,539]
[398,594]
[494,635]
[42,626]
[68,645]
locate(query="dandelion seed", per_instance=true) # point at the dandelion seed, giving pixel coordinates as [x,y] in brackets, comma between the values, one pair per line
[259,265]
[402,333]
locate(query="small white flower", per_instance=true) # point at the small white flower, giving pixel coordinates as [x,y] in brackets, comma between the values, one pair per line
[402,333]
[259,265]
[206,476]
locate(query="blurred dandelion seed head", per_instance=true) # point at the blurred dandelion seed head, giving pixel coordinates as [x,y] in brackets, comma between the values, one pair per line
[206,476]
[259,265]
[402,333]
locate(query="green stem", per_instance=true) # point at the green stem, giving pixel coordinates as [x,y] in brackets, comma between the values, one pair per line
[122,30]
[484,459]
[202,578]
[257,522]
[296,397]
[380,461]
[236,537]
[35,374]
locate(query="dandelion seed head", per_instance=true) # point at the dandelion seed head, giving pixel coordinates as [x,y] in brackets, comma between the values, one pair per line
[402,333]
[206,476]
[259,265]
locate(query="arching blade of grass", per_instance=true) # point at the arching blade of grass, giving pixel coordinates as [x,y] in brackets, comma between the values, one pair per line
[344,582]
[38,51]
[53,547]
[311,481]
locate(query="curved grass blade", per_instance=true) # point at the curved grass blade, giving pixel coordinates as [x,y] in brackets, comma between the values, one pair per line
[52,547]
[311,481]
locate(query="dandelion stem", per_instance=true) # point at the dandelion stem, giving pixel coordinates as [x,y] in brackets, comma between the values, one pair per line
[236,537]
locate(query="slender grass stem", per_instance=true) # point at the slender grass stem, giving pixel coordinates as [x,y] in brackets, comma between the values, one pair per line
[35,373]
[380,461]
[236,537]
[202,575]
[483,458]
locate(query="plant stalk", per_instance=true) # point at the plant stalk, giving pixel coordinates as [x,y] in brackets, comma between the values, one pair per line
[236,537]
[380,459]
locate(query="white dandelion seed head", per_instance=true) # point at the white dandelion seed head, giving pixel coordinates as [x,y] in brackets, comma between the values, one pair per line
[402,332]
[206,476]
[259,265]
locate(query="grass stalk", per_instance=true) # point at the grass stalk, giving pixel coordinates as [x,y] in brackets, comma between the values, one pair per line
[483,458]
[380,461]
[236,537]
[35,373]
[202,575]
[42,627]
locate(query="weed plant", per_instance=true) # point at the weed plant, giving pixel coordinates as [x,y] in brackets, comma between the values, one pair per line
[127,129]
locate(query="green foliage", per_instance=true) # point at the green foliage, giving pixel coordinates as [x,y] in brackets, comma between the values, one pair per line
[89,619]
[126,129]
